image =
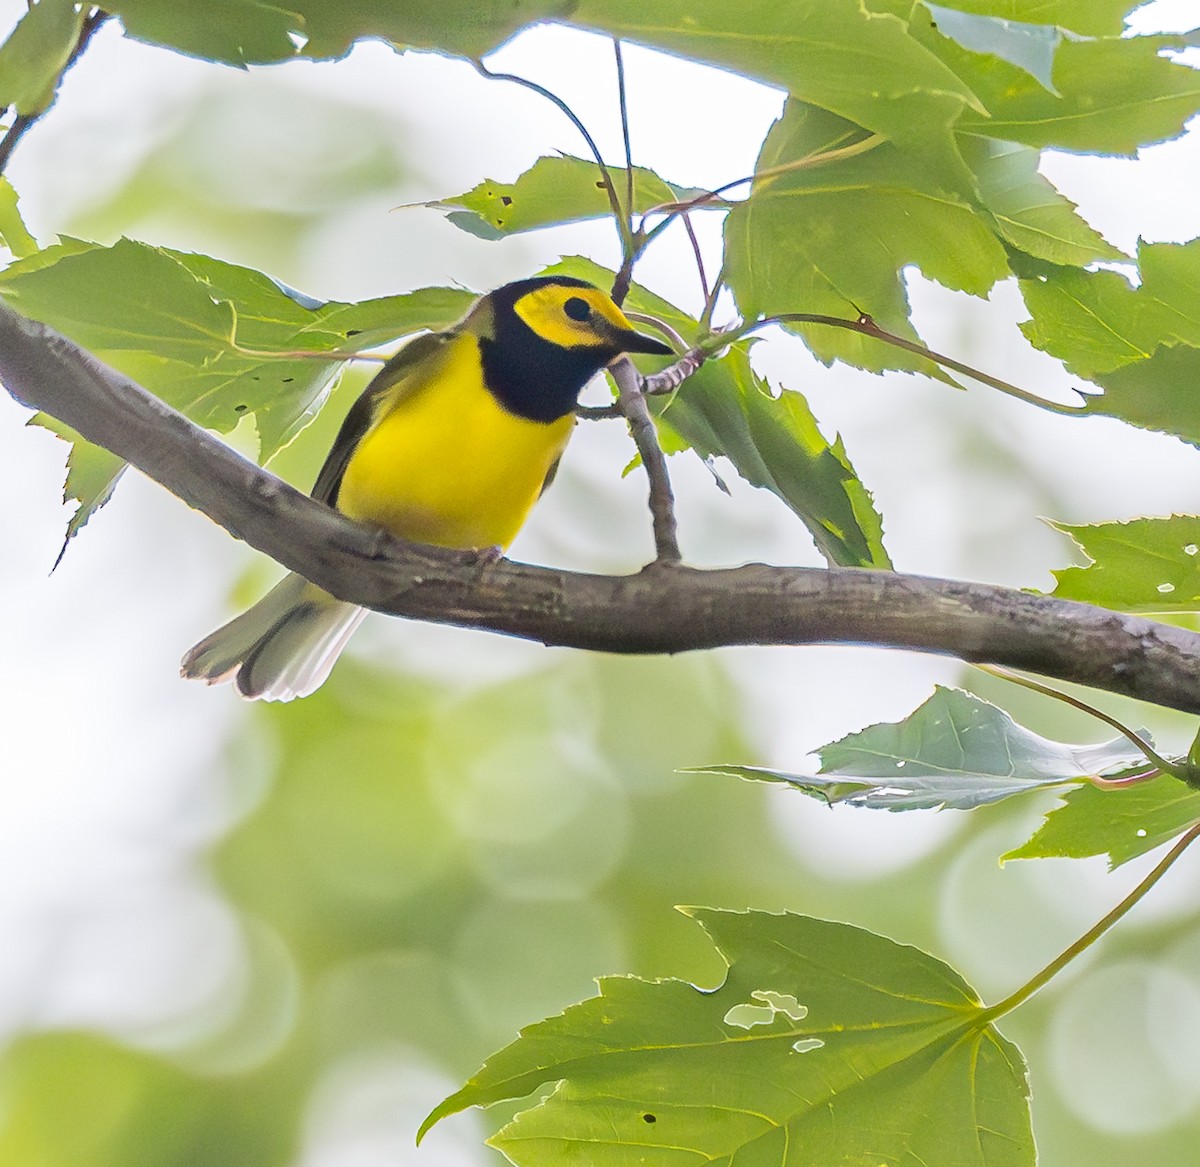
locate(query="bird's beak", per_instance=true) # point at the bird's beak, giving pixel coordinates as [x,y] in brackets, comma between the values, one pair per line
[639,342]
[629,340]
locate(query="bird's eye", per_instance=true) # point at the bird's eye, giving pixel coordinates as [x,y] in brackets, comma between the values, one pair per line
[577,308]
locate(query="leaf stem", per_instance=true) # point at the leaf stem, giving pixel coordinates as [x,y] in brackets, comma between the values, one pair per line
[1152,755]
[622,98]
[614,200]
[865,326]
[1093,934]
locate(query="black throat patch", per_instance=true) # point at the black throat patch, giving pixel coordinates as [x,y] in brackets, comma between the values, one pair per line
[533,378]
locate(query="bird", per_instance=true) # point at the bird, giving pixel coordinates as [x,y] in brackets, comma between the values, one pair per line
[451,443]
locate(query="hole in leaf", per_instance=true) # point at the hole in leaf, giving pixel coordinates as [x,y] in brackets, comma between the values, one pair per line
[240,408]
[1141,832]
[351,332]
[769,1005]
[1166,588]
[600,184]
[1191,549]
[805,1044]
[649,1118]
[505,200]
[288,380]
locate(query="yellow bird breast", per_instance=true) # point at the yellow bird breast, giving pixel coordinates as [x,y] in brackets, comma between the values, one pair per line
[446,463]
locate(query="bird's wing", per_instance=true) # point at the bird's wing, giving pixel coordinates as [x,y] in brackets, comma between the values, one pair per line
[391,384]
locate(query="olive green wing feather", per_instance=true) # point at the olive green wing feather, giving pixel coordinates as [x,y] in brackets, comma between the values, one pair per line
[385,388]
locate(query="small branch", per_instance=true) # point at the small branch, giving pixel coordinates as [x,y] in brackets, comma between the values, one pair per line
[668,609]
[24,122]
[669,379]
[632,403]
[1092,934]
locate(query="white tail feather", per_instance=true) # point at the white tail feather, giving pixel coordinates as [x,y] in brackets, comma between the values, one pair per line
[283,647]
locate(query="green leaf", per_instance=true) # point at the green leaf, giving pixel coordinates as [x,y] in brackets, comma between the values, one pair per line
[194,331]
[13,233]
[1027,209]
[825,1044]
[1114,95]
[1088,17]
[725,410]
[553,190]
[956,751]
[235,32]
[1123,822]
[836,54]
[1142,345]
[35,54]
[1030,47]
[1145,565]
[834,239]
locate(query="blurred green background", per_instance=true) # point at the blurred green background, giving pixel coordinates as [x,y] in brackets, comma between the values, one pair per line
[237,935]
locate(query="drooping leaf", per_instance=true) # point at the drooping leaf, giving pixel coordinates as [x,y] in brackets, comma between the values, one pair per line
[834,239]
[956,751]
[725,410]
[13,233]
[1145,565]
[1122,822]
[198,333]
[1027,209]
[35,54]
[553,190]
[825,1044]
[1030,47]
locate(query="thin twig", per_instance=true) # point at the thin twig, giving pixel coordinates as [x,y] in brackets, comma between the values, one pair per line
[669,379]
[809,161]
[623,99]
[614,201]
[865,326]
[691,234]
[1150,753]
[1093,934]
[24,122]
[632,402]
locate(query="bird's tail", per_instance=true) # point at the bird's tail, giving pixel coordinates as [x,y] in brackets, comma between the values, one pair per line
[283,647]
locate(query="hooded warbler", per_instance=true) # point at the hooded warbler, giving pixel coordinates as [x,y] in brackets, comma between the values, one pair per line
[451,443]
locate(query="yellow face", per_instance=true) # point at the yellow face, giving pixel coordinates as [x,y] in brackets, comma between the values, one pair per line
[574,317]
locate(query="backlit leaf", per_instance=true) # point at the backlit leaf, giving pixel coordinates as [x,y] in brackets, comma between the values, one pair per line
[1122,822]
[824,1044]
[955,751]
[554,190]
[35,54]
[1145,565]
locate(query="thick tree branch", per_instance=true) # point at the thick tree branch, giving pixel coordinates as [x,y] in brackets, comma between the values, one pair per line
[665,608]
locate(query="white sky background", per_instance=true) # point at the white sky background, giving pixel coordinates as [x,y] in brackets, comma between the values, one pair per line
[109,779]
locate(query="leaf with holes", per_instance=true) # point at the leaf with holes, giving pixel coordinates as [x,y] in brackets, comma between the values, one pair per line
[825,1044]
[956,751]
[1145,565]
[552,191]
[1122,822]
